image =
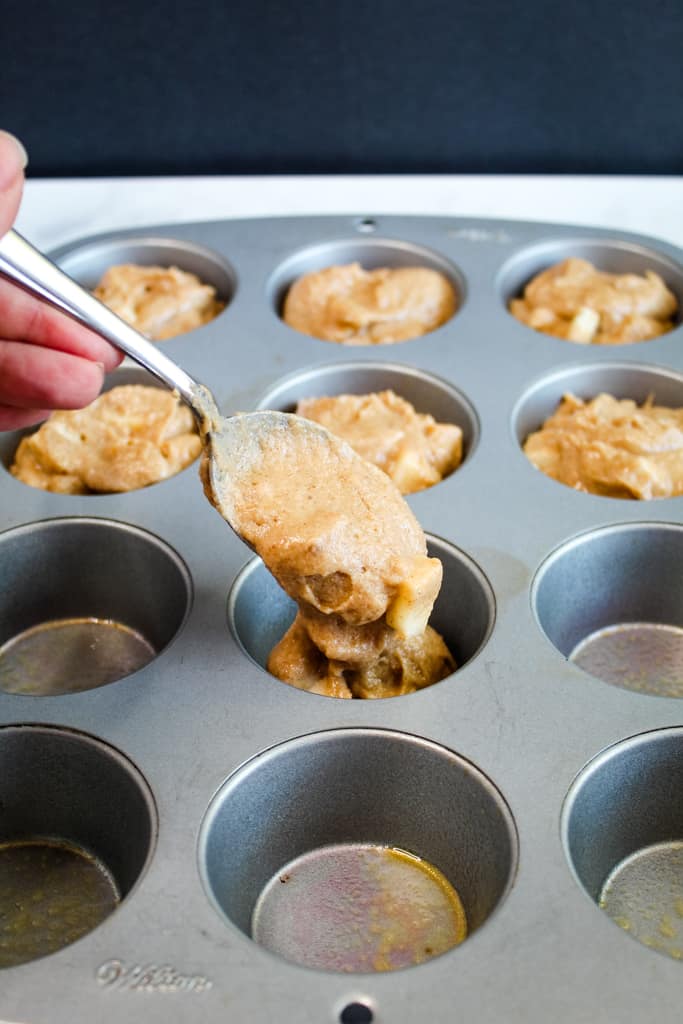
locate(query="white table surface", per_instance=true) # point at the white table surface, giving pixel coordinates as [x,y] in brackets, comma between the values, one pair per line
[55,211]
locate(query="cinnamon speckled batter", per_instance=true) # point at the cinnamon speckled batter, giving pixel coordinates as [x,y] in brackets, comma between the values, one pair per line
[339,538]
[411,447]
[160,302]
[128,438]
[612,447]
[575,301]
[353,306]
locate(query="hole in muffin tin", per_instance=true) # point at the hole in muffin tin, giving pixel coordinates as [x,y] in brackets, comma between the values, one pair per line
[371,253]
[356,1013]
[86,263]
[260,612]
[612,256]
[348,788]
[85,602]
[621,380]
[611,601]
[366,225]
[622,830]
[428,394]
[77,831]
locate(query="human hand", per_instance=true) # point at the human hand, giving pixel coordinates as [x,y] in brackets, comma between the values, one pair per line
[47,360]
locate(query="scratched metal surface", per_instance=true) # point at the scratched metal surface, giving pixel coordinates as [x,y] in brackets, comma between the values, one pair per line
[528,719]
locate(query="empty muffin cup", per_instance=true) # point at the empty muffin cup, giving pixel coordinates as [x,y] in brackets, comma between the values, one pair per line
[260,612]
[610,601]
[320,818]
[77,830]
[85,602]
[622,829]
[426,393]
[371,254]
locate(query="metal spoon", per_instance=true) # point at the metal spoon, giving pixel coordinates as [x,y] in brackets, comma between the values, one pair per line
[231,444]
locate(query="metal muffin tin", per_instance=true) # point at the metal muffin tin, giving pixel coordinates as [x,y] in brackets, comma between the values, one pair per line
[197,777]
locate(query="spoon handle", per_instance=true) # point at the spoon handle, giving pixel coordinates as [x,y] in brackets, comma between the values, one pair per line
[26,266]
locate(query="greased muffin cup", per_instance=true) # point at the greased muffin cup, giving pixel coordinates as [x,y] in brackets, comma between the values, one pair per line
[528,778]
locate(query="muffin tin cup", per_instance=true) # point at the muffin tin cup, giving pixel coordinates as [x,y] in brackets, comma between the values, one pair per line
[250,775]
[259,611]
[613,255]
[622,829]
[638,382]
[86,602]
[428,394]
[68,790]
[350,787]
[611,601]
[86,263]
[371,252]
[127,374]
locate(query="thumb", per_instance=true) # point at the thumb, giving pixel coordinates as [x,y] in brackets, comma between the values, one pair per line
[13,160]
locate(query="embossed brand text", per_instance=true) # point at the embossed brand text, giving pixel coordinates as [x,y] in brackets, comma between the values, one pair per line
[114,974]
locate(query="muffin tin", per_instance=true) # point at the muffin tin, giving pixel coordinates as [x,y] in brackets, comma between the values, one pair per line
[525,779]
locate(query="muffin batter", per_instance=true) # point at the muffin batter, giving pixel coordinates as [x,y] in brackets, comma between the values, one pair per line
[612,447]
[575,301]
[127,438]
[411,447]
[339,538]
[381,664]
[369,307]
[160,302]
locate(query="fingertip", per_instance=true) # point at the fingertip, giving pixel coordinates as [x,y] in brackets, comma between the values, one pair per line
[113,356]
[12,418]
[13,158]
[32,377]
[88,384]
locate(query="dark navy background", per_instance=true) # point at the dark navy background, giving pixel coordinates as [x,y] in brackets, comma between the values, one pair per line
[269,86]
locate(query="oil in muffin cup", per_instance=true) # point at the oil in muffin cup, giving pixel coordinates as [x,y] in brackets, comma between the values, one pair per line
[85,602]
[622,831]
[77,831]
[360,850]
[610,601]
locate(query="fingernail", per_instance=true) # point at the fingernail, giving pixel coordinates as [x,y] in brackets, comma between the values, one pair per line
[8,173]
